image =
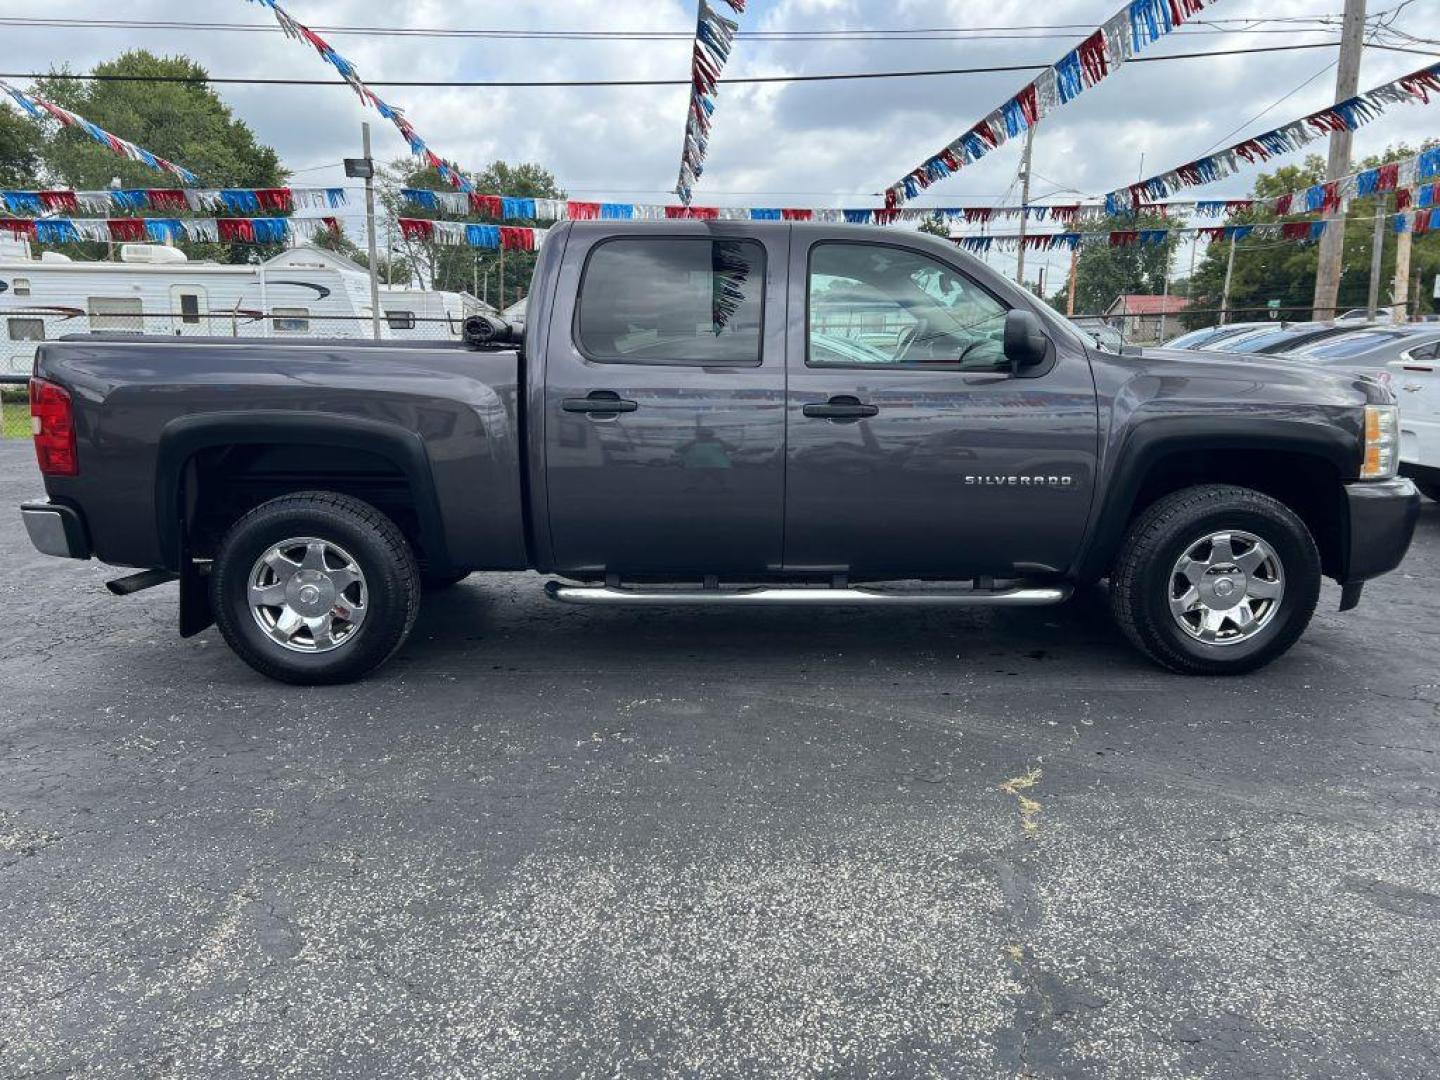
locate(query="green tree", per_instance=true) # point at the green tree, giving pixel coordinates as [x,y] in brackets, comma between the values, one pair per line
[1284,270]
[19,150]
[440,266]
[1103,273]
[185,122]
[936,226]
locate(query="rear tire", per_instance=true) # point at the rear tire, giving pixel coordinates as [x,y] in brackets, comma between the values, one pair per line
[1215,580]
[315,588]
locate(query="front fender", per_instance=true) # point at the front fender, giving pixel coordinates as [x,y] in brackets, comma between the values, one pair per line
[1147,441]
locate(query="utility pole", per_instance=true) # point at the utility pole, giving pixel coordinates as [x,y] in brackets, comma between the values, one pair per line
[1332,241]
[1024,203]
[1401,289]
[389,253]
[364,168]
[1377,256]
[1070,292]
[502,279]
[1225,292]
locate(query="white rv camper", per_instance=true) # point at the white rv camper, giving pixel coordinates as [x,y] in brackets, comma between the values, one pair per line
[151,289]
[428,313]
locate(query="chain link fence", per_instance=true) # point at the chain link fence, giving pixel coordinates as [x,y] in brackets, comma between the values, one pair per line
[27,322]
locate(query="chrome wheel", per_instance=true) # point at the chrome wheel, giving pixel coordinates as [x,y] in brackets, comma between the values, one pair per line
[307,595]
[1226,587]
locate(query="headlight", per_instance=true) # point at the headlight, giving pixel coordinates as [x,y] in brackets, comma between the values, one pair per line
[1382,437]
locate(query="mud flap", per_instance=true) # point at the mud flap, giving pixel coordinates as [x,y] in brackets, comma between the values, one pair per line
[195,612]
[1350,595]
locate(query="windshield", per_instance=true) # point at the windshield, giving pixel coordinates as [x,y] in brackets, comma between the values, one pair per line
[1105,336]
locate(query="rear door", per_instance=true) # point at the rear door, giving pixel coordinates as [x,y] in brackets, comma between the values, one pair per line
[664,401]
[912,450]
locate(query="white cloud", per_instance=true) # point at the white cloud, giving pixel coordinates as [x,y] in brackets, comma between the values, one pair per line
[789,141]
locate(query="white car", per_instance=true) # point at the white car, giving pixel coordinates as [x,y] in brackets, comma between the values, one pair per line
[1416,380]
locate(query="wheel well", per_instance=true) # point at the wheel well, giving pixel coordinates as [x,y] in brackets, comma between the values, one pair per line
[1306,483]
[220,484]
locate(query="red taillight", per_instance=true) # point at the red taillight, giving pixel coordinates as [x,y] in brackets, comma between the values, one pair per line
[54,429]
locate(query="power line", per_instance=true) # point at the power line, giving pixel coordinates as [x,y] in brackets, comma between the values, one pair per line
[751,79]
[1253,24]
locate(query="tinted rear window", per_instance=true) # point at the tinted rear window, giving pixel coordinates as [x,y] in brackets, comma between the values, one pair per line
[672,301]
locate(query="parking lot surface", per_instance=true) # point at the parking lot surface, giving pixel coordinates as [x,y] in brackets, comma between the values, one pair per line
[548,841]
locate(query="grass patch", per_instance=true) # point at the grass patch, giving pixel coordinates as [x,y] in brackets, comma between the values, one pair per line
[15,415]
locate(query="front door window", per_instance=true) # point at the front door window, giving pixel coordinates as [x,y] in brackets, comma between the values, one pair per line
[872,305]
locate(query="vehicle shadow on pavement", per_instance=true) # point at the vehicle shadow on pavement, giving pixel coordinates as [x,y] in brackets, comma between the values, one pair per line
[507,622]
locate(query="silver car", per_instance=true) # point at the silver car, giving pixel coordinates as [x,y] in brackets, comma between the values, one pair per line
[1368,351]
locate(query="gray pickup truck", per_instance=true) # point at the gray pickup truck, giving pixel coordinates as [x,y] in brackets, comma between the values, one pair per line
[721,413]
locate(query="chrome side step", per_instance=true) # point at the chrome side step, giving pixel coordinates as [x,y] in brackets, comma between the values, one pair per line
[1026,596]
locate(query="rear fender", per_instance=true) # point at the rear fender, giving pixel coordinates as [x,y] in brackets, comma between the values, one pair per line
[183,438]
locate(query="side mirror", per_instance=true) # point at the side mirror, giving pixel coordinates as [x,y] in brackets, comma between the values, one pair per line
[1026,345]
[483,330]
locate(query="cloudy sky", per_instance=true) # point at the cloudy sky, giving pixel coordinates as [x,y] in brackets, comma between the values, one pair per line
[827,143]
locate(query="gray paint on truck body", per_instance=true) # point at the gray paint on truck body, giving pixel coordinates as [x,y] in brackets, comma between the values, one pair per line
[517,482]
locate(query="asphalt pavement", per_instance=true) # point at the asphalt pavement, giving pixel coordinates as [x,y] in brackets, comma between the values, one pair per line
[548,841]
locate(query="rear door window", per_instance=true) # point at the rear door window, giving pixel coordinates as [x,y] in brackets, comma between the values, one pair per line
[672,300]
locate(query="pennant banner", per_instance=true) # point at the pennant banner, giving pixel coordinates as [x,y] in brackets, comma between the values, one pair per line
[156,230]
[1398,176]
[1352,113]
[1302,231]
[241,201]
[449,172]
[1126,33]
[38,109]
[714,38]
[464,234]
[1417,222]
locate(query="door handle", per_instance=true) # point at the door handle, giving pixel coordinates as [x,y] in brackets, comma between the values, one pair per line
[840,407]
[599,403]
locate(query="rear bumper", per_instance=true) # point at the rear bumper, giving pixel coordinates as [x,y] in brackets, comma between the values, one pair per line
[56,530]
[1382,517]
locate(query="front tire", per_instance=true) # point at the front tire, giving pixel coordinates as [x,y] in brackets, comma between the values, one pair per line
[1215,580]
[1429,488]
[315,588]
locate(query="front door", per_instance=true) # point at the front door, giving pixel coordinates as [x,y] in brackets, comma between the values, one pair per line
[913,450]
[665,403]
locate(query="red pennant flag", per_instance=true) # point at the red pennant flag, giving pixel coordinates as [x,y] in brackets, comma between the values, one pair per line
[166,199]
[516,238]
[59,200]
[126,230]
